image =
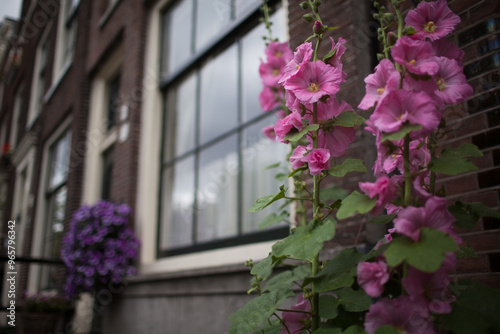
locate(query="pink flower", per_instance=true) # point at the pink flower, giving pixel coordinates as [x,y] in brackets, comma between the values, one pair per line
[432,20]
[318,160]
[384,189]
[269,98]
[268,131]
[283,126]
[384,79]
[400,107]
[452,85]
[302,55]
[402,313]
[272,71]
[372,276]
[429,289]
[294,321]
[336,140]
[435,214]
[297,157]
[279,50]
[417,56]
[313,81]
[443,48]
[339,51]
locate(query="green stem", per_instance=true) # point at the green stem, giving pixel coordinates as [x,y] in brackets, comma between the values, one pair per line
[406,159]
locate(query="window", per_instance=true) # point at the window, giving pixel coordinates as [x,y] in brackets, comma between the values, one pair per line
[107,173]
[113,98]
[214,153]
[18,102]
[66,36]
[55,201]
[39,82]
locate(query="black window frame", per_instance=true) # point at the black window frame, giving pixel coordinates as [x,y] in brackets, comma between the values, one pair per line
[230,36]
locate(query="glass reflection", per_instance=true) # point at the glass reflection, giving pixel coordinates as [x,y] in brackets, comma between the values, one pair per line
[219,95]
[211,18]
[179,35]
[218,190]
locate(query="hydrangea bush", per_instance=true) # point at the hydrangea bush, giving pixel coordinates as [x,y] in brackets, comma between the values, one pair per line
[99,248]
[405,283]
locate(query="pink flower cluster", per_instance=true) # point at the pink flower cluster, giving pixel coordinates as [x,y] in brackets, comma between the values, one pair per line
[309,94]
[411,93]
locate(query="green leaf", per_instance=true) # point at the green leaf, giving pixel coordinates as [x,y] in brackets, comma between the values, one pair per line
[356,202]
[263,202]
[332,194]
[281,177]
[273,219]
[475,310]
[387,329]
[452,161]
[274,328]
[264,268]
[402,132]
[354,330]
[295,171]
[467,214]
[348,165]
[296,136]
[329,55]
[284,281]
[256,311]
[276,165]
[427,254]
[327,331]
[348,119]
[354,300]
[304,244]
[328,307]
[338,272]
[383,219]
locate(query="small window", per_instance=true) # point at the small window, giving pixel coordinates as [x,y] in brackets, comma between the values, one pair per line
[113,101]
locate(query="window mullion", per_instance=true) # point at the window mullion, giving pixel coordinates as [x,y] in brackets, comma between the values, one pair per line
[196,157]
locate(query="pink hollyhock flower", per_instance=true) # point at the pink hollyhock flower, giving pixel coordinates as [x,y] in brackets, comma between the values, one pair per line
[280,113]
[283,126]
[443,48]
[415,55]
[383,188]
[297,157]
[384,79]
[292,102]
[318,159]
[302,55]
[427,86]
[272,71]
[336,140]
[372,276]
[429,289]
[313,81]
[400,107]
[401,313]
[452,85]
[279,50]
[294,321]
[269,98]
[268,131]
[339,51]
[435,214]
[432,20]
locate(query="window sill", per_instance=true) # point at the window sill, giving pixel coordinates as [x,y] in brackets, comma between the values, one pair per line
[60,77]
[107,14]
[231,256]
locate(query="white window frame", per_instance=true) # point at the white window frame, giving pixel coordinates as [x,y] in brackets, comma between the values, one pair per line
[146,213]
[100,139]
[66,26]
[36,104]
[41,208]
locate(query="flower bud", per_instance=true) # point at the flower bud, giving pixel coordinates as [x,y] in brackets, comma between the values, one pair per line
[318,28]
[308,17]
[304,5]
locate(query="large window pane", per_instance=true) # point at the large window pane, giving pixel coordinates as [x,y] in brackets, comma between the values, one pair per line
[211,18]
[219,95]
[258,153]
[218,191]
[179,33]
[243,6]
[177,209]
[60,161]
[181,119]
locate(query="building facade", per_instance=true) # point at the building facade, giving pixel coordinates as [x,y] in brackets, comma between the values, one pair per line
[154,103]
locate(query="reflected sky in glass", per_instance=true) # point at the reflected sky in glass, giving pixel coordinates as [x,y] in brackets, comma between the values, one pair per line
[180,35]
[211,18]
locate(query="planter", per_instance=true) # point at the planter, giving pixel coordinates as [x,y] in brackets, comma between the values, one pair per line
[37,323]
